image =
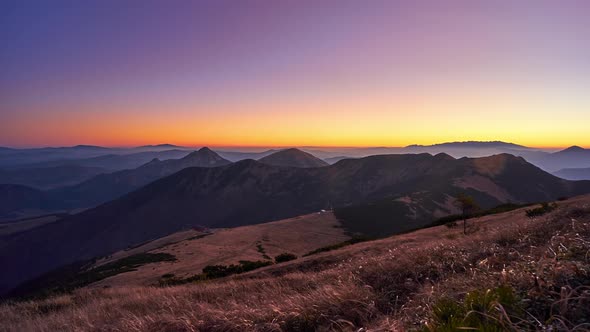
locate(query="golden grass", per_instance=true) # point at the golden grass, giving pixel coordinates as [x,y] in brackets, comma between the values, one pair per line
[298,236]
[384,285]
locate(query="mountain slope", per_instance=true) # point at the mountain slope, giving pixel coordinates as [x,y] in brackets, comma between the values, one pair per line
[293,158]
[250,192]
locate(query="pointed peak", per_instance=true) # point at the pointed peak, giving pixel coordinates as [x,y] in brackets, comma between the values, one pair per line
[205,149]
[205,156]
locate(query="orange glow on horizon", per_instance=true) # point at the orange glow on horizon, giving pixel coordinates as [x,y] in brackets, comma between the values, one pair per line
[354,122]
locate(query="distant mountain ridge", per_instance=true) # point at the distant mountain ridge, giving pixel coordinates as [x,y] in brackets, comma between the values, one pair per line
[105,187]
[420,187]
[49,177]
[473,144]
[293,158]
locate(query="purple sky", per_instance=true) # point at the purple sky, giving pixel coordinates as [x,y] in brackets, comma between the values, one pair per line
[318,72]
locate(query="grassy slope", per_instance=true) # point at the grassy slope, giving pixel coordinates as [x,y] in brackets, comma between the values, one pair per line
[381,285]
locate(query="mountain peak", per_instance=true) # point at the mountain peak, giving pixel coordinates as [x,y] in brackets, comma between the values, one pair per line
[205,156]
[293,157]
[205,150]
[574,148]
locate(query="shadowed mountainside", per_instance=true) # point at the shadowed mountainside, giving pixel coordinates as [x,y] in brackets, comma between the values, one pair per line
[293,158]
[248,192]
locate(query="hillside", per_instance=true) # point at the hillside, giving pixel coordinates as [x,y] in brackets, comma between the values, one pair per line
[293,158]
[419,187]
[414,281]
[194,250]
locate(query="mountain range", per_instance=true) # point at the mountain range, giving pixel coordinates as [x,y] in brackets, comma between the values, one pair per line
[108,186]
[419,187]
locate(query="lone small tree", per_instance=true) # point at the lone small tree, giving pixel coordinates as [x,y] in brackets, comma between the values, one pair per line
[467,205]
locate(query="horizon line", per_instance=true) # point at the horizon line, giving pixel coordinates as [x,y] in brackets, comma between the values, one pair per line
[194,146]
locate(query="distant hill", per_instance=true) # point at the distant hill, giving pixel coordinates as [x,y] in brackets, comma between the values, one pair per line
[574,173]
[293,158]
[421,187]
[49,177]
[105,187]
[472,144]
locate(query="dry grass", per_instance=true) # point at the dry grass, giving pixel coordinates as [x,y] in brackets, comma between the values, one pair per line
[229,246]
[384,285]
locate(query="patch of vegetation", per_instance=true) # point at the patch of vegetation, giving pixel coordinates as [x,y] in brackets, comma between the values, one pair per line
[200,236]
[215,272]
[285,257]
[354,240]
[450,221]
[539,211]
[489,310]
[261,250]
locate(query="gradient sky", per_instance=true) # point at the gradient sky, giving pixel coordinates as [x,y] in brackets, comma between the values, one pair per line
[288,73]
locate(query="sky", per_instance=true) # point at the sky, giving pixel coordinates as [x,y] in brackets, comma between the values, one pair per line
[294,73]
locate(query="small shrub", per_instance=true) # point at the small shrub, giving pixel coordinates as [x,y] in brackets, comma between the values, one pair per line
[354,240]
[215,272]
[285,257]
[451,224]
[544,209]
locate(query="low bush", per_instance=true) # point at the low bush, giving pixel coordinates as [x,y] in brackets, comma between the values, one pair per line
[450,221]
[354,240]
[215,272]
[539,211]
[285,257]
